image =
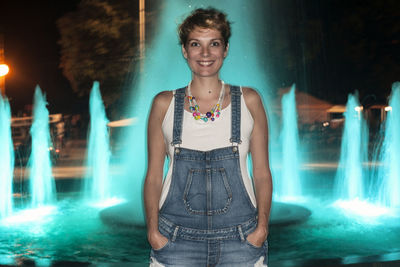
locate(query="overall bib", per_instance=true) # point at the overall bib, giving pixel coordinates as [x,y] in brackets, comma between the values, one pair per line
[207,214]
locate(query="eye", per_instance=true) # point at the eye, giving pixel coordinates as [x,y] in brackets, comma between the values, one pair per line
[216,43]
[194,44]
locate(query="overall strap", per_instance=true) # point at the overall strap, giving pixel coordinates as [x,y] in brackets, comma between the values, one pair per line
[235,122]
[178,116]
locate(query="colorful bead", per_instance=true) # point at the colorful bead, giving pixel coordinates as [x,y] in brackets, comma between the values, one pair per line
[210,115]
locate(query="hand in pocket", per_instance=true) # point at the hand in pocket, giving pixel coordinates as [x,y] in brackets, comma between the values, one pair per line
[157,240]
[257,237]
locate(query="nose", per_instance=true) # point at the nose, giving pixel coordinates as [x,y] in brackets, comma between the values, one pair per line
[205,51]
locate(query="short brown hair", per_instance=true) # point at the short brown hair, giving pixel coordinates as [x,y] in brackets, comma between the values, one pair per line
[209,18]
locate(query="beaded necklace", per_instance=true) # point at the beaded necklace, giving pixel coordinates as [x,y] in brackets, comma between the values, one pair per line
[210,115]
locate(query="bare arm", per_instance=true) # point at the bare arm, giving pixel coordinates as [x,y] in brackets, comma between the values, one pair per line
[156,156]
[261,170]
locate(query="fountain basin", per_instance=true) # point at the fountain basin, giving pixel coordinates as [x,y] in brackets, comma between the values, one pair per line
[322,236]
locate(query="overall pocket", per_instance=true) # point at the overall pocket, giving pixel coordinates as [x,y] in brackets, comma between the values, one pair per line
[207,191]
[163,247]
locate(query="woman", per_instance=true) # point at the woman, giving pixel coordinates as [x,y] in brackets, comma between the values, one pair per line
[206,212]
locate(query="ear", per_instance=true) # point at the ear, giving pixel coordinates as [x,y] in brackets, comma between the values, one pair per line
[226,50]
[184,53]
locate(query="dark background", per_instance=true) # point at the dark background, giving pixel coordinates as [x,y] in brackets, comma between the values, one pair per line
[328,48]
[32,53]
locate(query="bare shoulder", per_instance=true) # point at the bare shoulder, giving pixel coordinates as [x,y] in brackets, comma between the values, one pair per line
[163,99]
[252,99]
[160,105]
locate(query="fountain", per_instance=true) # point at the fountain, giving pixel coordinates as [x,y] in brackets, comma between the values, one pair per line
[77,234]
[41,181]
[288,185]
[388,173]
[97,184]
[7,159]
[242,67]
[354,150]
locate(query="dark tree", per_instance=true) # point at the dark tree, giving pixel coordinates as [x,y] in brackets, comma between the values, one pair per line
[365,45]
[99,41]
[334,47]
[295,43]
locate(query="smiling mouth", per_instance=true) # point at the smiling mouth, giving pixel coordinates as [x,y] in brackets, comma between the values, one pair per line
[205,63]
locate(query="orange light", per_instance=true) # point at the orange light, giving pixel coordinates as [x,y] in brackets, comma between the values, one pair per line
[4,69]
[358,108]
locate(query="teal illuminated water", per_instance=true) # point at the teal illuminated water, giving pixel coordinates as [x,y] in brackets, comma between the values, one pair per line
[73,231]
[41,180]
[351,174]
[389,154]
[166,69]
[288,184]
[6,159]
[97,182]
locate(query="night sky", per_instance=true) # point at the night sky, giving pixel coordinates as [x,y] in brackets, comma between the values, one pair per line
[32,52]
[359,49]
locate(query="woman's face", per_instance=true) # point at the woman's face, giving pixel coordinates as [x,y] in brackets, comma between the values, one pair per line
[205,51]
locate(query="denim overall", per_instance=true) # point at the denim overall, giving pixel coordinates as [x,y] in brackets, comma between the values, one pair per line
[207,214]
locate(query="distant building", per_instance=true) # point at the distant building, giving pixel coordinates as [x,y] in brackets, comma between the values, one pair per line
[312,110]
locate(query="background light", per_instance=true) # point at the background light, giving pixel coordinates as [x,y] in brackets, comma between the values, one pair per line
[4,69]
[358,108]
[388,108]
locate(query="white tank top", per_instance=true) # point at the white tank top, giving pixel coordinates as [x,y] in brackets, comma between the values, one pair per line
[204,136]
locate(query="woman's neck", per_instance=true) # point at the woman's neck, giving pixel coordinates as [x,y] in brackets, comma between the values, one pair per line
[206,88]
